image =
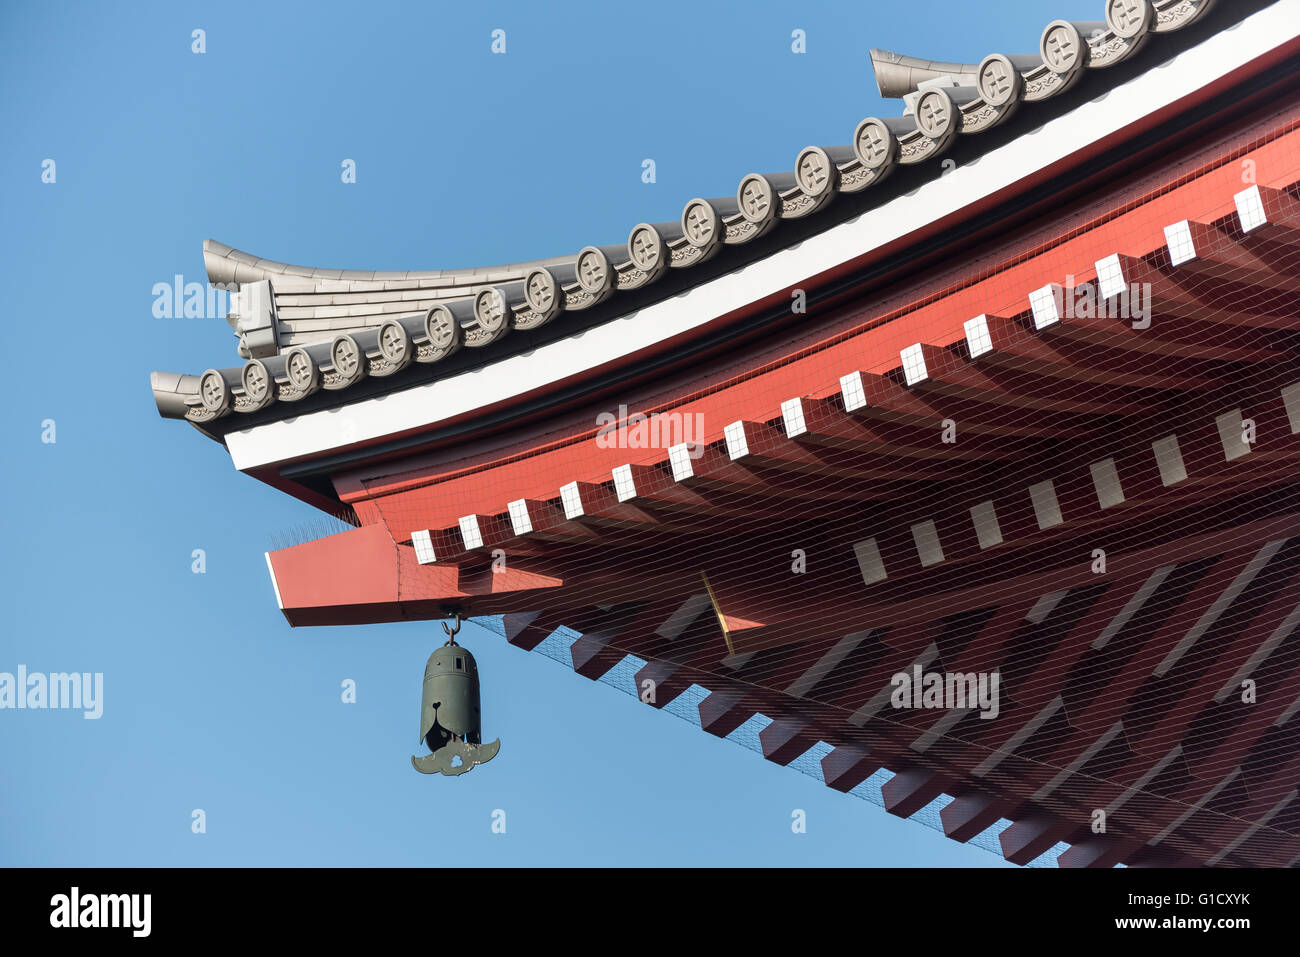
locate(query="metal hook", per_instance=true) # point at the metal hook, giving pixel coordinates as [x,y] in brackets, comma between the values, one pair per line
[452,632]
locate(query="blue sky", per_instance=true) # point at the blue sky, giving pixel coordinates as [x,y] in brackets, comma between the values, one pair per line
[463,158]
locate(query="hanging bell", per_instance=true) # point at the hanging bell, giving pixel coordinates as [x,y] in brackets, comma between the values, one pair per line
[449,713]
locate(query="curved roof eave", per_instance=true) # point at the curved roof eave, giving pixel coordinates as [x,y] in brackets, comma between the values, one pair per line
[304,329]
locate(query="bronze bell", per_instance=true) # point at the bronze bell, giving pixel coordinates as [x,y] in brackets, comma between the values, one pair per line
[449,712]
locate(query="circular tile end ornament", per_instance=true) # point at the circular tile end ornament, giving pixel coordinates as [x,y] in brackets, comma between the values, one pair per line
[874,144]
[213,392]
[645,247]
[700,224]
[301,370]
[594,271]
[999,81]
[816,172]
[541,291]
[394,343]
[1062,47]
[256,381]
[443,332]
[756,199]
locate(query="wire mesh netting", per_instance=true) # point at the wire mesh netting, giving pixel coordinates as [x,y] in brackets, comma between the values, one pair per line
[685,707]
[1065,457]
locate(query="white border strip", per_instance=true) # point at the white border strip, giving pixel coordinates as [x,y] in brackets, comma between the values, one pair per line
[433,402]
[274,584]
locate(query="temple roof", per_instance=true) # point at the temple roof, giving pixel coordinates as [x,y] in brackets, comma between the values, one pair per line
[305,329]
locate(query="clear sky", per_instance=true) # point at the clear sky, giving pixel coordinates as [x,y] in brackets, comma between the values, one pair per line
[463,157]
